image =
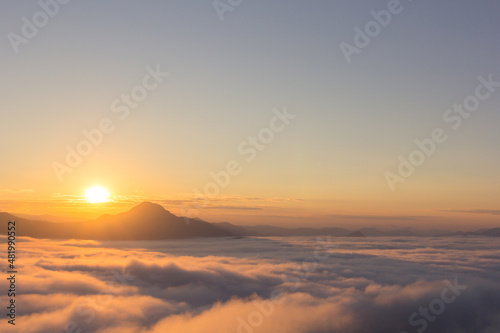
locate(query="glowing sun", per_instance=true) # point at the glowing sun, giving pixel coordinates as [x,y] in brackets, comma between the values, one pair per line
[97,194]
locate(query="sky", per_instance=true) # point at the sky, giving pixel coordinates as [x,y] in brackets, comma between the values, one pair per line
[260,285]
[332,106]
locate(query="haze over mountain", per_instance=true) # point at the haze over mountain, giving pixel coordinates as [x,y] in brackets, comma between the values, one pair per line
[269,230]
[49,218]
[150,221]
[146,221]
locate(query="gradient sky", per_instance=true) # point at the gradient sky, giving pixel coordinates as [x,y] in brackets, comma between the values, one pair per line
[327,167]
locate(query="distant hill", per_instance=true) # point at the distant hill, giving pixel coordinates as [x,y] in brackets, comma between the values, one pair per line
[48,218]
[487,233]
[372,232]
[491,232]
[237,230]
[147,221]
[269,230]
[356,234]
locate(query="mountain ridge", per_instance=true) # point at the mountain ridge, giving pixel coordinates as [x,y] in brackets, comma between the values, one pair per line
[150,221]
[146,221]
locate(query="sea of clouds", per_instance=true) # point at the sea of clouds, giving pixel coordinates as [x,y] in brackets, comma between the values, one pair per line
[267,285]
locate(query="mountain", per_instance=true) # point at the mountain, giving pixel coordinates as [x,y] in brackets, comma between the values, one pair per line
[269,230]
[492,233]
[372,232]
[237,230]
[487,233]
[48,218]
[356,234]
[32,228]
[147,221]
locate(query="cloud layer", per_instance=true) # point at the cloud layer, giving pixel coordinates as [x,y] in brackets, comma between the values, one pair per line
[295,285]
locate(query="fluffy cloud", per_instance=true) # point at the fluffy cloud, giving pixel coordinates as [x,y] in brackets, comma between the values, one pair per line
[296,285]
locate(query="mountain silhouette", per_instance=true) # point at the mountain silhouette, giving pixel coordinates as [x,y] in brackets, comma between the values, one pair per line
[356,234]
[487,233]
[270,230]
[150,221]
[147,221]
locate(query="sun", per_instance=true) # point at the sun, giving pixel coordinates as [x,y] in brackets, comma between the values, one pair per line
[97,194]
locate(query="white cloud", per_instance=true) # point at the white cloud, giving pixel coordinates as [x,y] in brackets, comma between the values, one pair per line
[225,285]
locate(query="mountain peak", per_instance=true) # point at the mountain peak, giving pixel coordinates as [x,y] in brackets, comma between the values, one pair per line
[149,208]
